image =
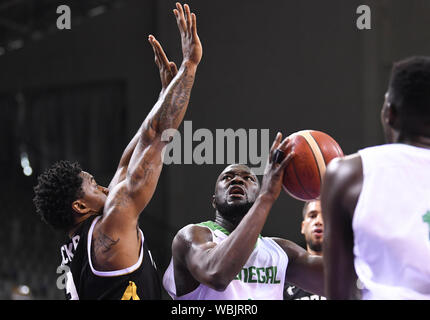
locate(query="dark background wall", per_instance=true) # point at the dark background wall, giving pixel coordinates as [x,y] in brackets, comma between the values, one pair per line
[278,65]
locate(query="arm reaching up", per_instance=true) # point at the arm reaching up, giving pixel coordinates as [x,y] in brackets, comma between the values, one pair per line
[168,71]
[142,162]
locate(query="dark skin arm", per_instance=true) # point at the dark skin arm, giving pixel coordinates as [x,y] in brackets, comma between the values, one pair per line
[141,163]
[197,259]
[340,191]
[168,71]
[304,270]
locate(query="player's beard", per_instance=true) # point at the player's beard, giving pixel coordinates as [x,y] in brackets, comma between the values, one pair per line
[233,212]
[315,246]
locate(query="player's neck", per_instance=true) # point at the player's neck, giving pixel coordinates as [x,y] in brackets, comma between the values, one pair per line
[227,224]
[414,140]
[313,252]
[78,222]
[73,230]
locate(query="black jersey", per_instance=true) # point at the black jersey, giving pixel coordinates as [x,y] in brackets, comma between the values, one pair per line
[295,293]
[138,282]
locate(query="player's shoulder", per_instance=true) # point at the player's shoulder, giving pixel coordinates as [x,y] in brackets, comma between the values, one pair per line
[282,242]
[343,172]
[344,166]
[193,229]
[342,182]
[192,233]
[291,248]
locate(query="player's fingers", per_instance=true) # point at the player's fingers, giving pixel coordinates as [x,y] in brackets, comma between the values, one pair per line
[284,144]
[194,25]
[180,18]
[286,160]
[188,17]
[176,13]
[173,68]
[162,56]
[275,145]
[156,57]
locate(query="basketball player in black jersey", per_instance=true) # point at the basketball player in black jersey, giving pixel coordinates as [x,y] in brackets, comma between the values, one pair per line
[313,230]
[106,257]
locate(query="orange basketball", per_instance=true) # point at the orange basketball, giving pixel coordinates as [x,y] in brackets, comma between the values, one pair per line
[313,152]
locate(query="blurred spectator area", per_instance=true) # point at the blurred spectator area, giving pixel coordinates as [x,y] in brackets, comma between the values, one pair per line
[82,123]
[27,20]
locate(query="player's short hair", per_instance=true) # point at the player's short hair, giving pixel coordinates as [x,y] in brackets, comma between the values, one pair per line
[305,208]
[55,192]
[410,86]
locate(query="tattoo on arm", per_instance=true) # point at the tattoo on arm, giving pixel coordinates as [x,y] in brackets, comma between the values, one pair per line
[101,245]
[104,242]
[144,176]
[175,101]
[121,199]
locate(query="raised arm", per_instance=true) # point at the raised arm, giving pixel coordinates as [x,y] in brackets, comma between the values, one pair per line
[216,265]
[129,197]
[168,71]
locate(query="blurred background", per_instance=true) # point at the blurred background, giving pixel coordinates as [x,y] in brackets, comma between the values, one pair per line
[81,94]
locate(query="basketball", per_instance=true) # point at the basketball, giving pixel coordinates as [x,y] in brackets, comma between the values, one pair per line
[313,152]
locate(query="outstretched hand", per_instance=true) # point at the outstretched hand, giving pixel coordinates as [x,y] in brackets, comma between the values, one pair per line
[275,167]
[191,46]
[168,69]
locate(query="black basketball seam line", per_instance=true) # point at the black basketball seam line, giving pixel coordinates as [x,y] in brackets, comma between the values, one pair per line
[298,179]
[313,154]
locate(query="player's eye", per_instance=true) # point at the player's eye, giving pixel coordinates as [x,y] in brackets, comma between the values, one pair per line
[250,178]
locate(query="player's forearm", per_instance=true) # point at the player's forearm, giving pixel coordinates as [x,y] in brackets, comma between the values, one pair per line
[128,151]
[339,280]
[338,259]
[313,279]
[230,255]
[170,109]
[124,161]
[167,113]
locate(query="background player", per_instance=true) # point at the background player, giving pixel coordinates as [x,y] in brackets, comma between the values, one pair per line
[313,230]
[107,255]
[228,259]
[376,202]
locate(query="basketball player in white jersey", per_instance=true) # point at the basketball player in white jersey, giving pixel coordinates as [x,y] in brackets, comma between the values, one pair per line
[227,258]
[376,203]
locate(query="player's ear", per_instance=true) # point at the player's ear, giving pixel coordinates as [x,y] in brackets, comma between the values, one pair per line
[213,202]
[391,115]
[80,207]
[303,227]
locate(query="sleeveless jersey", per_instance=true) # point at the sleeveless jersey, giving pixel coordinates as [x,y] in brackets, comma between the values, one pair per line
[261,278]
[138,282]
[391,223]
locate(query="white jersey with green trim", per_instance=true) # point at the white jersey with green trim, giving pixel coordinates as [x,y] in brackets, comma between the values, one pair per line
[261,278]
[391,223]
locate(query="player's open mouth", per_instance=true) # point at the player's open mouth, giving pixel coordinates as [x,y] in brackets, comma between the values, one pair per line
[236,191]
[318,231]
